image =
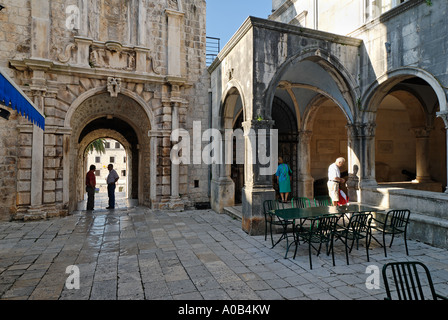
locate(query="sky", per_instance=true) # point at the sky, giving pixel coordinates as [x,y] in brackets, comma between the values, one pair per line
[224,17]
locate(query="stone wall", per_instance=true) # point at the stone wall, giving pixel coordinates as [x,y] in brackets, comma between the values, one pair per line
[412,34]
[14,42]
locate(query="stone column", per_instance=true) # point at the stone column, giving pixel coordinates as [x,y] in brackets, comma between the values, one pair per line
[353,163]
[258,184]
[444,116]
[367,153]
[305,180]
[422,154]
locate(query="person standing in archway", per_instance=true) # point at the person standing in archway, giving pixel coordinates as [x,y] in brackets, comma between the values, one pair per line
[90,187]
[334,179]
[284,183]
[111,180]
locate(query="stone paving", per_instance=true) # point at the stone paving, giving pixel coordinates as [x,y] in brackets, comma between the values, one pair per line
[136,253]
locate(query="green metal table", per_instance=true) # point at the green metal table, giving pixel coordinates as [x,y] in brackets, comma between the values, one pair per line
[292,214]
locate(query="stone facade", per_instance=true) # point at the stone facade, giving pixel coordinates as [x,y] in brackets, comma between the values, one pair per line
[126,70]
[371,88]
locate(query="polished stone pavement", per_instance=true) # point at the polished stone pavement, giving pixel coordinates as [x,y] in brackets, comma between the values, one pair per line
[136,253]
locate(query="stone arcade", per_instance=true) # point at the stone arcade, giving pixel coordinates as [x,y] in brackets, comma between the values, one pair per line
[370,86]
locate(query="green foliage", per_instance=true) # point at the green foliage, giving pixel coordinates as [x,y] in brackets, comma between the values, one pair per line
[97,145]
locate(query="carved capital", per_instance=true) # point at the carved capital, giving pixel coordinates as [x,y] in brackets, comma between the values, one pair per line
[305,136]
[444,116]
[367,130]
[257,125]
[422,132]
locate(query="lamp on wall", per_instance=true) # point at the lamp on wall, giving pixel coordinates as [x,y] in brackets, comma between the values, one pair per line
[1,7]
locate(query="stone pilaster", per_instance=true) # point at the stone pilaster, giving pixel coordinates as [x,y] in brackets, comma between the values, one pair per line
[175,19]
[40,29]
[83,52]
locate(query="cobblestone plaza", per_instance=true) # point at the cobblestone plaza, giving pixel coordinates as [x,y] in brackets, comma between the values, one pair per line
[138,253]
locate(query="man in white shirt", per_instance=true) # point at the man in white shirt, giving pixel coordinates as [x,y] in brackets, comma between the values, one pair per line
[334,178]
[111,179]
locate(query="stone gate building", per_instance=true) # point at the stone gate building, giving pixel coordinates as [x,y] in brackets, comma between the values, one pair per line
[128,70]
[366,80]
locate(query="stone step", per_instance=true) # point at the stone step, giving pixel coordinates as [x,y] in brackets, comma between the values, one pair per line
[235,212]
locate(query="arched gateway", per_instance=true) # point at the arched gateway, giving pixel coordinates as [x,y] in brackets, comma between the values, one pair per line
[97,114]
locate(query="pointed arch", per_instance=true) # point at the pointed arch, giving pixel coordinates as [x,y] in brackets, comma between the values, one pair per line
[376,92]
[347,93]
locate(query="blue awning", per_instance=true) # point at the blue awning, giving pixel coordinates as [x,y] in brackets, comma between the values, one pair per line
[12,96]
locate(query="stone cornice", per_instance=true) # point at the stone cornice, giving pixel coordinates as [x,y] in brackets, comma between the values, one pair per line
[253,22]
[159,133]
[285,6]
[95,73]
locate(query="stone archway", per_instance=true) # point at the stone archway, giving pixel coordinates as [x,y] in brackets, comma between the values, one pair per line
[311,83]
[131,172]
[225,184]
[415,96]
[126,117]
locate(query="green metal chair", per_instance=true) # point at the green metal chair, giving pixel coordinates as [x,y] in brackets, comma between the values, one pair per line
[396,222]
[300,202]
[407,283]
[322,201]
[272,219]
[358,228]
[320,230]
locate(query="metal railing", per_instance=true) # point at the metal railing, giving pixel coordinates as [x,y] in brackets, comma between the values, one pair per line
[213,46]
